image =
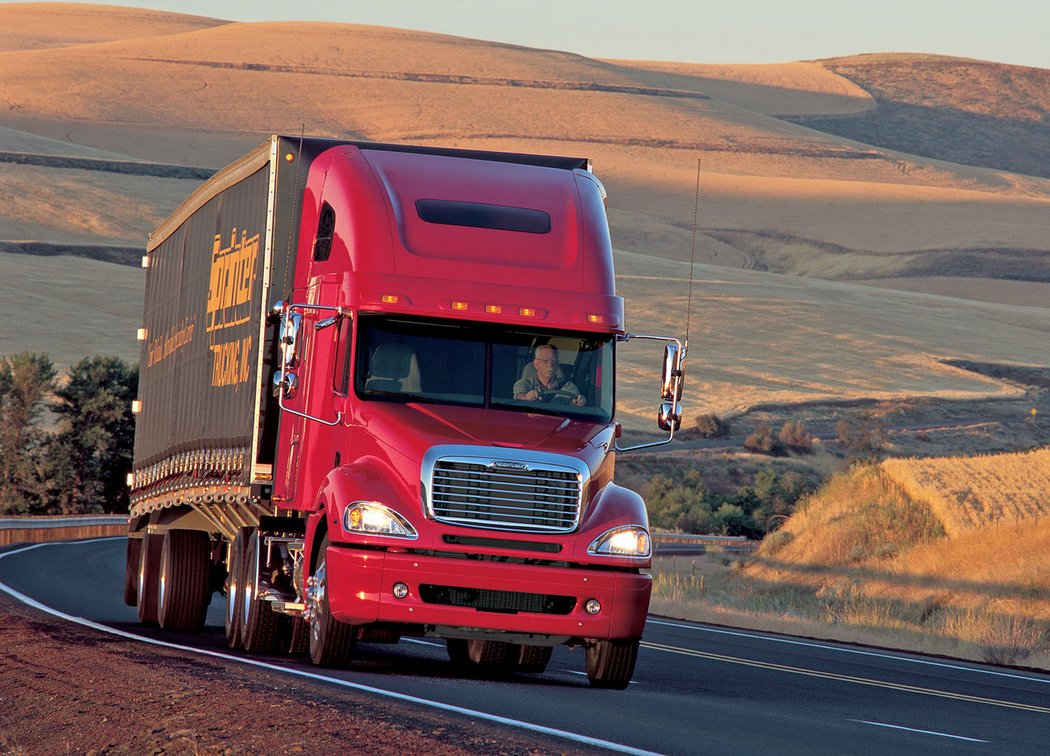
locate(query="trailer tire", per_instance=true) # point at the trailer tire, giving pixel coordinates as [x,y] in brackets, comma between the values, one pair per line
[232,614]
[610,663]
[481,654]
[331,641]
[183,593]
[295,635]
[259,624]
[533,658]
[131,571]
[148,583]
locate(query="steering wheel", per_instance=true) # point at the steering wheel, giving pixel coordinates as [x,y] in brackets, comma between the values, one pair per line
[557,396]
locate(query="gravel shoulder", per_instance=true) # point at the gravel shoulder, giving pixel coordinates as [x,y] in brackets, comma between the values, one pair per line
[70,689]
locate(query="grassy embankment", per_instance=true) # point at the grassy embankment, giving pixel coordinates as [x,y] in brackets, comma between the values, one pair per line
[948,556]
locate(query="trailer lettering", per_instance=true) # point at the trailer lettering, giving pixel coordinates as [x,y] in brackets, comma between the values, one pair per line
[166,345]
[231,362]
[232,281]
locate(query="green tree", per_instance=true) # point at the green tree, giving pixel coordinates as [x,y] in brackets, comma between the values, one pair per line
[91,455]
[25,381]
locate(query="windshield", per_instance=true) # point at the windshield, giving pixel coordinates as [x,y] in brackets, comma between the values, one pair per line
[443,362]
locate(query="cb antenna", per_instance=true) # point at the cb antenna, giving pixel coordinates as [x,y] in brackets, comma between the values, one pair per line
[692,260]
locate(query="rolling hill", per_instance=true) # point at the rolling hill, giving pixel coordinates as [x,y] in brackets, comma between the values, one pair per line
[812,170]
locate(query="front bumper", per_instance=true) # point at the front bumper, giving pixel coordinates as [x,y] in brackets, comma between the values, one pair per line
[360,591]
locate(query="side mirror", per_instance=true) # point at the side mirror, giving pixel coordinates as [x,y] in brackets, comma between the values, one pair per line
[285,385]
[670,417]
[671,382]
[673,376]
[289,338]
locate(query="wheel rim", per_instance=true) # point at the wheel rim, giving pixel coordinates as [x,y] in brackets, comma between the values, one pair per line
[250,570]
[232,590]
[317,598]
[165,565]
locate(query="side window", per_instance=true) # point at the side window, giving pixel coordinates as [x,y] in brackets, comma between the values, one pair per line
[341,378]
[325,231]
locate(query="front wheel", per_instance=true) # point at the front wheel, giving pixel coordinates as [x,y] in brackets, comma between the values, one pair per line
[331,641]
[610,663]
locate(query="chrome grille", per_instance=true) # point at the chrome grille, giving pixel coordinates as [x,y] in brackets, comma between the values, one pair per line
[523,493]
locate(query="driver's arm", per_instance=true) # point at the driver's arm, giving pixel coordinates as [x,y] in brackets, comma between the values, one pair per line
[579,400]
[525,391]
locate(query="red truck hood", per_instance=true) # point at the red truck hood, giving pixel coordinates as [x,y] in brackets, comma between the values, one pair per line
[425,425]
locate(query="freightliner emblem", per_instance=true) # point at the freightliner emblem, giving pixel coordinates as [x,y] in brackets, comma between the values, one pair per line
[502,464]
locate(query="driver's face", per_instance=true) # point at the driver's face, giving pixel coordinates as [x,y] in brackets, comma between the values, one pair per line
[546,365]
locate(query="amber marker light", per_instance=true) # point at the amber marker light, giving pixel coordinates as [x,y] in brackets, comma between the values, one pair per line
[390,299]
[288,157]
[493,309]
[527,312]
[460,306]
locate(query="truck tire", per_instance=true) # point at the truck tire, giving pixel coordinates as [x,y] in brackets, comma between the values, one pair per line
[331,641]
[148,583]
[295,635]
[232,615]
[610,663]
[481,654]
[259,624]
[183,594]
[131,572]
[533,658]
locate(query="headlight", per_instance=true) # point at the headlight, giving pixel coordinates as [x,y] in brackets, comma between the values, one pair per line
[374,518]
[625,541]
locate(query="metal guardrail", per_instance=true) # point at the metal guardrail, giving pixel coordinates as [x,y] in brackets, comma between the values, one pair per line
[47,528]
[687,543]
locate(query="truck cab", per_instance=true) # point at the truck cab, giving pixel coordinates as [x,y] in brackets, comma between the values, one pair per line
[437,436]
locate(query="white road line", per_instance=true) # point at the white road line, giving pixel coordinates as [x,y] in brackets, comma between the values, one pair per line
[518,724]
[856,651]
[419,642]
[921,732]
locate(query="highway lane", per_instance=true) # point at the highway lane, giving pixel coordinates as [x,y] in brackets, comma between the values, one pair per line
[697,689]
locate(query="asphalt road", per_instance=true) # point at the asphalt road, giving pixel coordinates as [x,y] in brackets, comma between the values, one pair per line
[697,688]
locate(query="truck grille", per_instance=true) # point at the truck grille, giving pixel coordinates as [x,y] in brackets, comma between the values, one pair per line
[503,602]
[505,494]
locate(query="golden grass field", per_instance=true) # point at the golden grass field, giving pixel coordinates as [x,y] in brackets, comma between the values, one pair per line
[863,560]
[974,492]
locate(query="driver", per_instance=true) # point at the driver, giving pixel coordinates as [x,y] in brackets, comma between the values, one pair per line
[548,379]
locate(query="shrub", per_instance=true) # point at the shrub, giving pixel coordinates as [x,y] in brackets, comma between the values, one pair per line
[863,436]
[711,426]
[762,440]
[794,436]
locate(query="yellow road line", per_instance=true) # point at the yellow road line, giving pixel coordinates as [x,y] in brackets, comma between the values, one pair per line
[845,678]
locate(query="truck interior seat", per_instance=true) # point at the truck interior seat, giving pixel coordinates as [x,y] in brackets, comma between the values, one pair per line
[394,368]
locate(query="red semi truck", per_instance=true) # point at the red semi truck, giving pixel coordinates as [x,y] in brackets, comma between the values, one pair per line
[377,399]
